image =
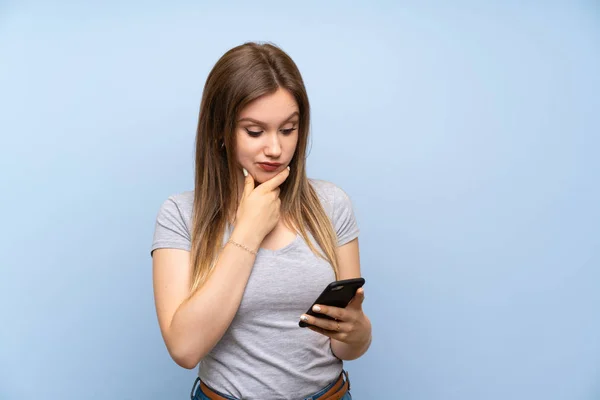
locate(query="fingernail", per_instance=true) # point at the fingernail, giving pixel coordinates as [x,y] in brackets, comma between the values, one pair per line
[245,172]
[304,318]
[316,308]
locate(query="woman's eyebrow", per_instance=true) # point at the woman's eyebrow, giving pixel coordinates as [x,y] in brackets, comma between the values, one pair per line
[295,113]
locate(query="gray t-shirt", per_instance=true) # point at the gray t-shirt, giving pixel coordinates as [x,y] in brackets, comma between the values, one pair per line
[264,354]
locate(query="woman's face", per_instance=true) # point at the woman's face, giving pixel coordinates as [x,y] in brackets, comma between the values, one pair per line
[267,132]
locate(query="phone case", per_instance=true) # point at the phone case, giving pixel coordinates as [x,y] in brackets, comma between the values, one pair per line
[336,294]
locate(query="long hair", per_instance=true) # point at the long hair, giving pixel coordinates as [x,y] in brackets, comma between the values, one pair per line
[240,76]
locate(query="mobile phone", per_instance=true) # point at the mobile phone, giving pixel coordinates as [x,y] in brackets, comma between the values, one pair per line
[336,294]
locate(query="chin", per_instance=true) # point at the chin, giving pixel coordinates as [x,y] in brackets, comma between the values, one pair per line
[262,176]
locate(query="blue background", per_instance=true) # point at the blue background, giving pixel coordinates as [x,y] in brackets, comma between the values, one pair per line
[467,136]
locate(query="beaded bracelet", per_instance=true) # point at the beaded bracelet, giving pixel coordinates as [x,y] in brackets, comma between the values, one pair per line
[241,246]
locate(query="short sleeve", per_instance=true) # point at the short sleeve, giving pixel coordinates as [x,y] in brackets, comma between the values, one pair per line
[344,220]
[170,230]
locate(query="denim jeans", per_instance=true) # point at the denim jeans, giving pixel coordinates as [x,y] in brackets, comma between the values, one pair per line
[199,395]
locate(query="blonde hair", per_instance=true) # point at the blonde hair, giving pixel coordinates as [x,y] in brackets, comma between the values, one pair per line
[240,76]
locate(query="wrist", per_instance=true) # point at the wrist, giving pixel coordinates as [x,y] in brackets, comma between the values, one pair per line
[241,234]
[364,344]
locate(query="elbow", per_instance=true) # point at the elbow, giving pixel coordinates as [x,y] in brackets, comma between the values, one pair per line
[186,355]
[185,363]
[185,359]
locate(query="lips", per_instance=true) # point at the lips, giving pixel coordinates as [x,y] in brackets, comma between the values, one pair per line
[274,165]
[269,167]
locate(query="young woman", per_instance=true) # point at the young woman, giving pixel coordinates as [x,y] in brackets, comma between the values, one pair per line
[237,261]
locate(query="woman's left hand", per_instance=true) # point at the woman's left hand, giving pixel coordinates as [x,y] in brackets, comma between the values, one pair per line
[350,326]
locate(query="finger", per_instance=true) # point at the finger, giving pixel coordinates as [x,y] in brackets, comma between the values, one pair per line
[333,312]
[275,181]
[358,298]
[325,332]
[248,183]
[323,323]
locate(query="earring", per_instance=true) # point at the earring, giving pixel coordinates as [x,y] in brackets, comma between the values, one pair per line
[222,144]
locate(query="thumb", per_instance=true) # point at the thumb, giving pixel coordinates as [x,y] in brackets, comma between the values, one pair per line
[248,183]
[359,297]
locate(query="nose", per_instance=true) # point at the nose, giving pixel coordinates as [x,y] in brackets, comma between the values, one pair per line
[273,146]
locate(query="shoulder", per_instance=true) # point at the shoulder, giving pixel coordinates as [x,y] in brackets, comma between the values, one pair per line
[174,222]
[183,199]
[330,194]
[177,210]
[182,203]
[338,206]
[327,190]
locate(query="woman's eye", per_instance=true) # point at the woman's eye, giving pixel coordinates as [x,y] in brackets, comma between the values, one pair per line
[253,133]
[288,131]
[257,133]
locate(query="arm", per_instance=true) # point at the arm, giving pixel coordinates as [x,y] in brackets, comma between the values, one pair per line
[349,267]
[192,325]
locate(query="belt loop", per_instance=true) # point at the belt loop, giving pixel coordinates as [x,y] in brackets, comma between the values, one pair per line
[194,388]
[347,378]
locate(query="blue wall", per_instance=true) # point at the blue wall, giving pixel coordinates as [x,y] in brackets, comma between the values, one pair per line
[467,137]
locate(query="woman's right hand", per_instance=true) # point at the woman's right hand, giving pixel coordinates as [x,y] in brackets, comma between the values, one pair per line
[258,211]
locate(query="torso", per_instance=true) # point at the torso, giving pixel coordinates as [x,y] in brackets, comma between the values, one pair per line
[279,237]
[264,354]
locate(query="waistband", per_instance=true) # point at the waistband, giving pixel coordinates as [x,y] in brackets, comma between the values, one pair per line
[334,391]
